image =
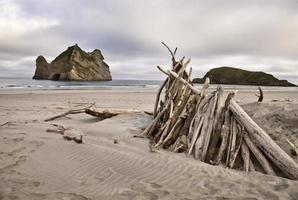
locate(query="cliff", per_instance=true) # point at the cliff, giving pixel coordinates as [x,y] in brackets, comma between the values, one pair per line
[235,76]
[74,64]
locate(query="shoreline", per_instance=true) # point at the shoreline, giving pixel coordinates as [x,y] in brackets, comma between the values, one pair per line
[242,96]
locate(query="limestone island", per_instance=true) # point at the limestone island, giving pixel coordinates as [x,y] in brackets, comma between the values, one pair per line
[73,64]
[235,76]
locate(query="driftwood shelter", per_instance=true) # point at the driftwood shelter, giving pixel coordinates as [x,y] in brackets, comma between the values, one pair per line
[211,127]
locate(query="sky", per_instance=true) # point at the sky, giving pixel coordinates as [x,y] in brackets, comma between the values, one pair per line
[257,35]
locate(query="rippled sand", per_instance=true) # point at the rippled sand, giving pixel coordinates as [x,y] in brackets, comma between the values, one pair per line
[35,164]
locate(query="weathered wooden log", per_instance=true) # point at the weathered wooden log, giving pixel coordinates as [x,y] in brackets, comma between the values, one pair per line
[245,156]
[196,134]
[193,89]
[104,113]
[225,132]
[262,140]
[258,154]
[198,120]
[213,117]
[199,146]
[232,139]
[189,114]
[218,126]
[238,142]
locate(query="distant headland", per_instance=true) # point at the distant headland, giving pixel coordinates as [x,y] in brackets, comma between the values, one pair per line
[73,64]
[235,76]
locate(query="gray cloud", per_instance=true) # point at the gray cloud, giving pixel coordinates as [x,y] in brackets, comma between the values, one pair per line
[254,35]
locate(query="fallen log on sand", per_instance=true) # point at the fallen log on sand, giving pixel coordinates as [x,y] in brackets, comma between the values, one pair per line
[104,113]
[101,113]
[211,127]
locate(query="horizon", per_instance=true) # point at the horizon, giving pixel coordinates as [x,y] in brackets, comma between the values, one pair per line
[255,36]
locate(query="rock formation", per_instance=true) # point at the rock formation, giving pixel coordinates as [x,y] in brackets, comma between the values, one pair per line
[74,64]
[235,76]
[42,70]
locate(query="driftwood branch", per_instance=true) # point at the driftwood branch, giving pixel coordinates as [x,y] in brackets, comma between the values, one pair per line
[70,112]
[261,96]
[104,113]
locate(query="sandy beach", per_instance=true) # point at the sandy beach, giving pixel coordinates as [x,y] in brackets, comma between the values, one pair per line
[35,164]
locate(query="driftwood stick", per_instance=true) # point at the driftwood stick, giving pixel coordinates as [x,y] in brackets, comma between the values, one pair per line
[233,149]
[251,165]
[205,87]
[104,113]
[280,158]
[7,123]
[174,117]
[189,113]
[261,96]
[199,146]
[174,128]
[193,89]
[225,132]
[65,114]
[230,140]
[171,52]
[192,126]
[158,96]
[294,147]
[196,135]
[258,154]
[219,120]
[245,156]
[239,137]
[148,131]
[211,119]
[198,120]
[75,111]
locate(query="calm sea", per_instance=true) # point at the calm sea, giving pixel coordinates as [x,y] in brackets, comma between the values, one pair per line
[30,84]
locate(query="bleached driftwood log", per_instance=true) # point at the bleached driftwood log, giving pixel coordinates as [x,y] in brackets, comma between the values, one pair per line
[211,127]
[104,113]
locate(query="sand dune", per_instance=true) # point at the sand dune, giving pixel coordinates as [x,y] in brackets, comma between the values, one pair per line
[35,164]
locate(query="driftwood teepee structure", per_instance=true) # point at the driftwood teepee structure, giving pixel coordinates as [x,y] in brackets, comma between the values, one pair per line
[212,127]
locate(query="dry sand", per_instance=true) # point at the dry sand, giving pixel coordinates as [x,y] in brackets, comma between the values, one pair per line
[35,164]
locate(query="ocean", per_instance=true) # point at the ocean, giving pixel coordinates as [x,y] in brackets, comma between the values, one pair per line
[26,83]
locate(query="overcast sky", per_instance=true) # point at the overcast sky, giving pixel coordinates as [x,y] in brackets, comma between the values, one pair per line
[259,35]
